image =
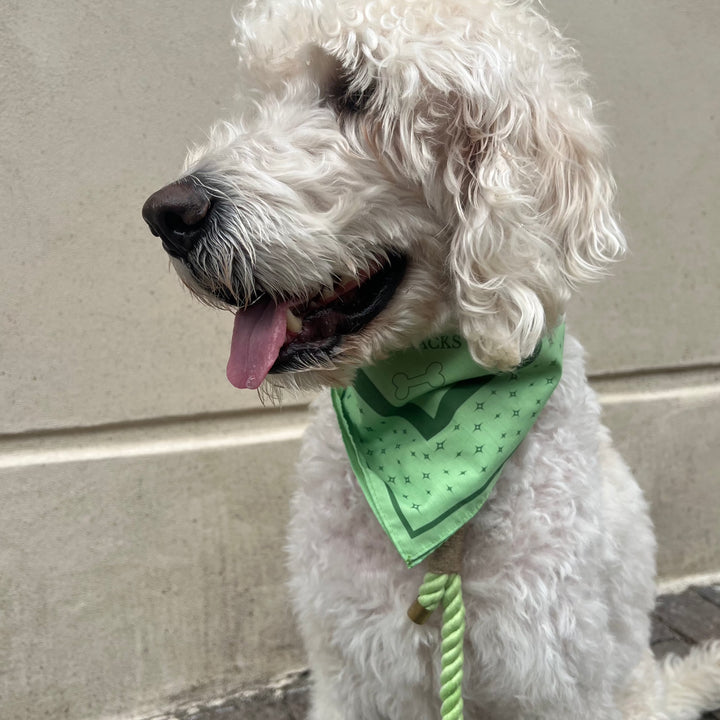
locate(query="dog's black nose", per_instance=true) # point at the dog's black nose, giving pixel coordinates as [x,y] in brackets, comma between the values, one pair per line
[177,214]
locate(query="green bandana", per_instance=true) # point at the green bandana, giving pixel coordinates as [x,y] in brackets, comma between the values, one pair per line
[428,430]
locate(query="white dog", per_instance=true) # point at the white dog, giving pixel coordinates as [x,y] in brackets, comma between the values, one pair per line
[402,168]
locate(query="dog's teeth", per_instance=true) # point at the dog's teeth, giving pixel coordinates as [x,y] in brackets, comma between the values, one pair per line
[294,323]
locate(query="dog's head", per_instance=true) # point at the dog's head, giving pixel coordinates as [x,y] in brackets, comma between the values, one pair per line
[399,167]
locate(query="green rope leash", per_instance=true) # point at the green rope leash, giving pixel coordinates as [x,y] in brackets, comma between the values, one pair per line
[446,588]
[442,585]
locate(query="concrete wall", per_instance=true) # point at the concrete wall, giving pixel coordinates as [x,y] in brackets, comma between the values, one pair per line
[142,499]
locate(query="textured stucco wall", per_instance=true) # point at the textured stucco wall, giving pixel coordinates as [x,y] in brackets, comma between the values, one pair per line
[142,500]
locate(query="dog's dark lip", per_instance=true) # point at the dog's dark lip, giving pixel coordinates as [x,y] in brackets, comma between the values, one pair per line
[332,322]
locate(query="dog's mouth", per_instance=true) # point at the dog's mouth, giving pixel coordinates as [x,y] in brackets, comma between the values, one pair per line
[274,337]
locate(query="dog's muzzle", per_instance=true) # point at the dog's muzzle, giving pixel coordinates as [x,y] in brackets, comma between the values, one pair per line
[177,214]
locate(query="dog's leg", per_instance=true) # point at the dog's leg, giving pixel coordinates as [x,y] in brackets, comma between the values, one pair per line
[324,703]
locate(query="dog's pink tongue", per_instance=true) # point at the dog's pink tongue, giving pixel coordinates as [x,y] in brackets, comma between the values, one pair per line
[258,335]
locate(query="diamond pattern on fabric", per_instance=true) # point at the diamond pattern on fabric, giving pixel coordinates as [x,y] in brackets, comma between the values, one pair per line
[428,431]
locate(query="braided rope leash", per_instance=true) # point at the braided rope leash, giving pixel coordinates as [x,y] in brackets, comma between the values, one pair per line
[446,588]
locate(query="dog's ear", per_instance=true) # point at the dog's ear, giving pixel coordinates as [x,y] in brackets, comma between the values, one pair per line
[532,197]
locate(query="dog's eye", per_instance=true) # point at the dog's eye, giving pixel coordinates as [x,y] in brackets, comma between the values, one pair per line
[346,97]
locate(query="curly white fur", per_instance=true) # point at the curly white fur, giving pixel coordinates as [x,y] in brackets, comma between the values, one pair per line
[459,133]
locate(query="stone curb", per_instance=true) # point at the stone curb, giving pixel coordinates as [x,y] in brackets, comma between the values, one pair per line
[286,699]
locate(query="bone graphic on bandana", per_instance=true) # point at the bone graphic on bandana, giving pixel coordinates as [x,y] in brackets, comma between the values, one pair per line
[432,376]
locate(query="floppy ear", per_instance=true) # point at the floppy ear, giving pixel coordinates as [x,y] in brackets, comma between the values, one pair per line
[532,196]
